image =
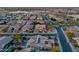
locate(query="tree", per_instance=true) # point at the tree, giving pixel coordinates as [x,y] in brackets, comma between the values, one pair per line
[70,35]
[49,26]
[17,36]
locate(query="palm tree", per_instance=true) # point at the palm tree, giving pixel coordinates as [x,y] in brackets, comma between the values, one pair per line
[17,39]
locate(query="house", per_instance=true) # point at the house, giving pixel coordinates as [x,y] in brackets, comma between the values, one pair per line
[76,39]
[39,21]
[4,40]
[73,28]
[27,26]
[40,28]
[40,41]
